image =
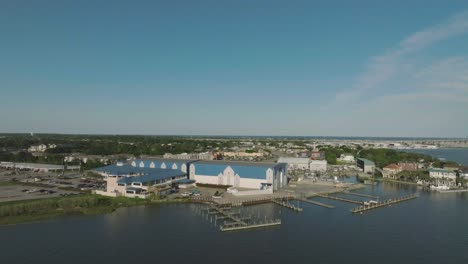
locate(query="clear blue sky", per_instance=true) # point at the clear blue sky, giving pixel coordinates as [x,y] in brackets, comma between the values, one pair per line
[327,68]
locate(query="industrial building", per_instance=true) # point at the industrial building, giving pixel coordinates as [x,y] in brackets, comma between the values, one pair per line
[137,181]
[138,178]
[252,175]
[304,164]
[296,163]
[367,166]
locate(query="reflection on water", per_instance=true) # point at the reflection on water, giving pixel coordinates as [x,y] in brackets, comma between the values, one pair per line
[429,229]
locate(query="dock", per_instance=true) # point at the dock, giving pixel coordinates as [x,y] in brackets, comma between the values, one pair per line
[287,205]
[233,220]
[242,227]
[317,203]
[361,195]
[340,199]
[373,204]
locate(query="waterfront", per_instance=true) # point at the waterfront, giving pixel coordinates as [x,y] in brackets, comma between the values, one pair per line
[459,155]
[429,229]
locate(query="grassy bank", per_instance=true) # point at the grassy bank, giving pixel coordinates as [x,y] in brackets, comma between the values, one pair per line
[42,209]
[395,181]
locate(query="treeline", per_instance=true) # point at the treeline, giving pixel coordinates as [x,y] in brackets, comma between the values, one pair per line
[381,157]
[109,144]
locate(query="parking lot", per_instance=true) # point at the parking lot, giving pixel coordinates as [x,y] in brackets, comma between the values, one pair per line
[22,192]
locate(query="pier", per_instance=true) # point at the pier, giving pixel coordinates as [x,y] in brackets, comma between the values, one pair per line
[361,195]
[373,204]
[241,227]
[233,220]
[317,203]
[287,205]
[340,199]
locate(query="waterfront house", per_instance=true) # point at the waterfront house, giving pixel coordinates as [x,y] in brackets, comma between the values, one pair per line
[409,166]
[391,170]
[442,174]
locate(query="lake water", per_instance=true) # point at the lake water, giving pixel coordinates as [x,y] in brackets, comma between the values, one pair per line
[459,155]
[430,229]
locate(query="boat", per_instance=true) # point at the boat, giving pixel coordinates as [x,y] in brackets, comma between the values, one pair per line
[439,187]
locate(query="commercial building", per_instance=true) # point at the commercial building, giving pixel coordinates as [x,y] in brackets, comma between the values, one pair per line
[347,158]
[296,163]
[318,165]
[241,154]
[317,155]
[138,178]
[137,181]
[190,156]
[252,175]
[304,164]
[442,174]
[367,166]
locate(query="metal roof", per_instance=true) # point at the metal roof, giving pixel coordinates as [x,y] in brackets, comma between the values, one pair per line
[239,163]
[293,160]
[158,163]
[252,170]
[366,161]
[137,174]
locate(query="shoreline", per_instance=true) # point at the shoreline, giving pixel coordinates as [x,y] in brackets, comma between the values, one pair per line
[395,181]
[60,212]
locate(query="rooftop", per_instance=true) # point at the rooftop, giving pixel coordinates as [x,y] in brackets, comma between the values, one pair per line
[366,161]
[441,170]
[137,174]
[239,163]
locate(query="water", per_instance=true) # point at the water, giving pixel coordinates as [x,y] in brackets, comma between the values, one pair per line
[459,155]
[429,229]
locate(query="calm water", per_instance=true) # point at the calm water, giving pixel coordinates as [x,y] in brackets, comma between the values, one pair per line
[430,229]
[459,155]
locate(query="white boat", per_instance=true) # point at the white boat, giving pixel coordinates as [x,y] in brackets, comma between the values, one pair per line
[439,187]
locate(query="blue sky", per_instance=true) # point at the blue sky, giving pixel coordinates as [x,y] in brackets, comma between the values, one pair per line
[326,68]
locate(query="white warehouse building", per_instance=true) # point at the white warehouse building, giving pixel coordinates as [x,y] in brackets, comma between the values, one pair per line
[304,164]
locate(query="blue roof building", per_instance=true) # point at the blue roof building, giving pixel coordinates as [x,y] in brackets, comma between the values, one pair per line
[140,175]
[252,175]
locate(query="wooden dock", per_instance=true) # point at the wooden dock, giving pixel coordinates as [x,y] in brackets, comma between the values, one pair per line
[317,203]
[373,205]
[340,199]
[243,227]
[233,220]
[361,195]
[287,205]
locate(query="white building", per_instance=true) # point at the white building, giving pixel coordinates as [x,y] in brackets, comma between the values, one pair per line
[296,163]
[304,164]
[442,174]
[318,165]
[346,158]
[190,156]
[251,175]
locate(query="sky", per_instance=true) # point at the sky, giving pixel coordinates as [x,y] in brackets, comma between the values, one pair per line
[245,67]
